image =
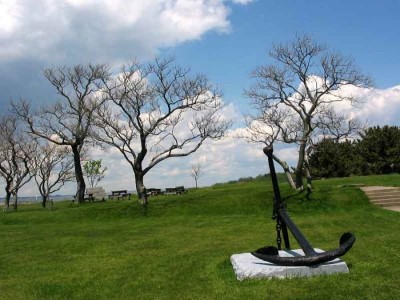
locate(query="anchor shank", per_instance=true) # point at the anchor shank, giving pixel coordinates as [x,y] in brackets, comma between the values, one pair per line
[298,235]
[274,179]
[277,197]
[285,236]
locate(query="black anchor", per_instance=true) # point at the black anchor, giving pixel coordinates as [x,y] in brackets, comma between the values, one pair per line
[284,222]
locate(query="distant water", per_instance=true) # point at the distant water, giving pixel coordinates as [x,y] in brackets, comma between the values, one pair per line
[39,199]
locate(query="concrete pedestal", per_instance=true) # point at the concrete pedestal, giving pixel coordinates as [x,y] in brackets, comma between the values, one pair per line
[247,266]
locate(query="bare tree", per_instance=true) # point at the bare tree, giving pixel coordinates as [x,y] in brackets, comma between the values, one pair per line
[197,172]
[158,111]
[54,167]
[68,122]
[16,157]
[295,98]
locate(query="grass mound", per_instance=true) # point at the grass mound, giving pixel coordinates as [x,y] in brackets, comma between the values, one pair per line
[180,247]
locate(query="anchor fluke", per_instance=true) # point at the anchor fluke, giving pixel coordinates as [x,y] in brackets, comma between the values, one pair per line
[346,237]
[268,250]
[346,242]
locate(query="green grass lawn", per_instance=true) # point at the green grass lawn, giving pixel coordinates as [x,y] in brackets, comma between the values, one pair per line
[180,248]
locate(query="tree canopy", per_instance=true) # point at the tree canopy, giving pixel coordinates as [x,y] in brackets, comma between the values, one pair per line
[294,98]
[158,111]
[377,151]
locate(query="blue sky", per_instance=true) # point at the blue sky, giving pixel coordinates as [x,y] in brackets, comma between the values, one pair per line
[367,30]
[225,39]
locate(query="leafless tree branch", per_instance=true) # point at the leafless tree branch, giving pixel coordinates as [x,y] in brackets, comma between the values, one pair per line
[294,98]
[16,157]
[69,122]
[54,167]
[158,111]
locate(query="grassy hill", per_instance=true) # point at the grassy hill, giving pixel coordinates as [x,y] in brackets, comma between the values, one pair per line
[180,248]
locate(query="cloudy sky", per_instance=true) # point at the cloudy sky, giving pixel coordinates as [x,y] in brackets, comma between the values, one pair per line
[224,39]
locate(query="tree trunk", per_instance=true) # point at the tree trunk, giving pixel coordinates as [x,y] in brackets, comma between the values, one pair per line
[196,182]
[300,165]
[7,201]
[44,201]
[15,196]
[139,174]
[309,178]
[80,181]
[140,188]
[286,169]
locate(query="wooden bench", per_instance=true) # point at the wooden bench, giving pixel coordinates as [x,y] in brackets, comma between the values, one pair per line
[88,197]
[181,189]
[153,192]
[119,194]
[175,191]
[94,193]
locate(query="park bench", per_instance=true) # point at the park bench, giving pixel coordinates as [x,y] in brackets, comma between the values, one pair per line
[175,191]
[95,193]
[181,190]
[119,194]
[92,194]
[88,197]
[153,192]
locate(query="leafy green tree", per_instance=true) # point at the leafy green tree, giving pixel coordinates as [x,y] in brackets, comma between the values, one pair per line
[330,158]
[376,152]
[94,171]
[380,150]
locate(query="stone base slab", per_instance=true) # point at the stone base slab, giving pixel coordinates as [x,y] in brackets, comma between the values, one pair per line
[247,266]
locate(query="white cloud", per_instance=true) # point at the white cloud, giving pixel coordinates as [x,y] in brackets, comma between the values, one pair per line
[82,29]
[243,2]
[288,154]
[371,105]
[9,14]
[375,106]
